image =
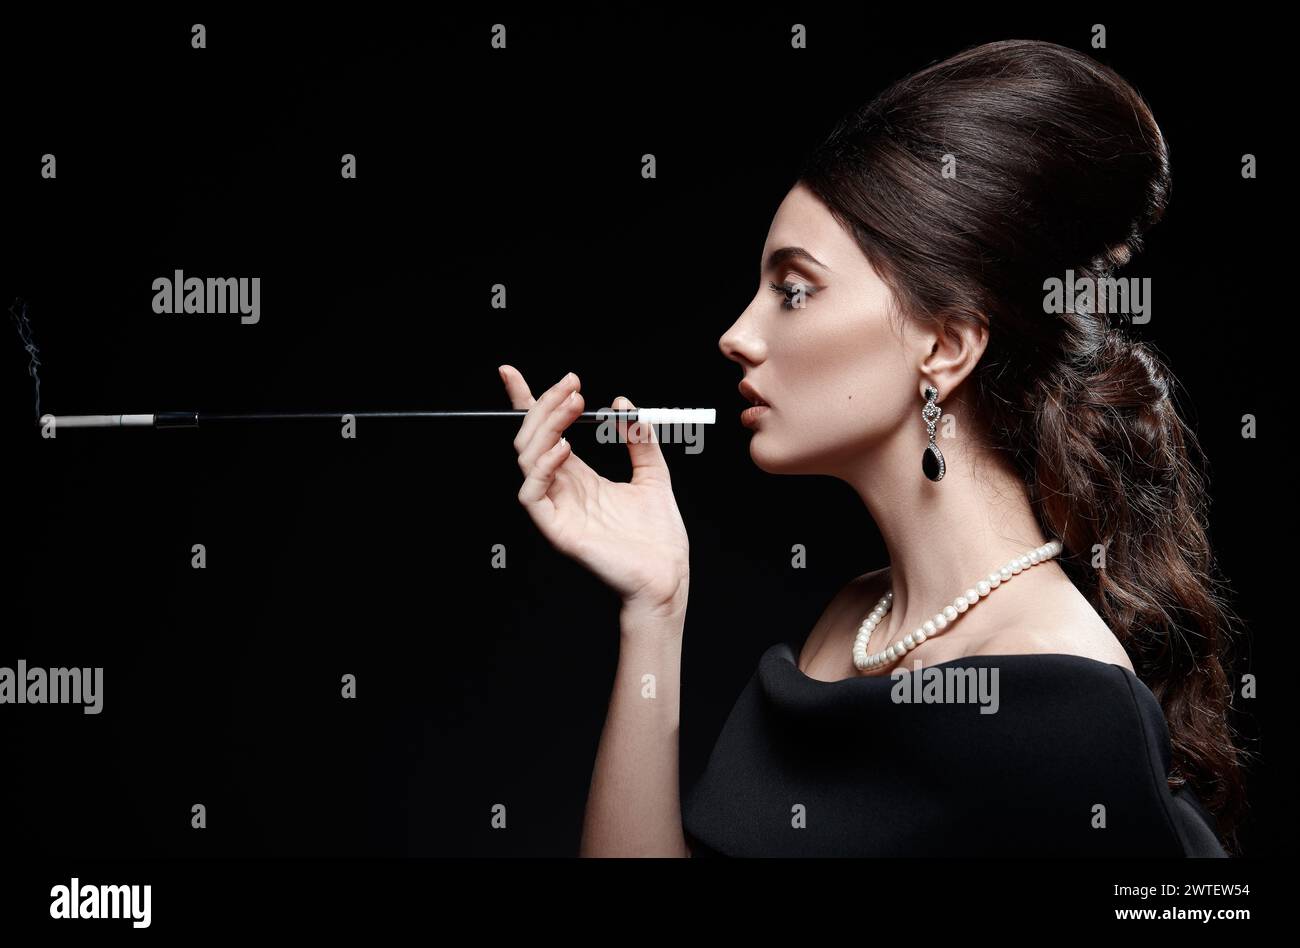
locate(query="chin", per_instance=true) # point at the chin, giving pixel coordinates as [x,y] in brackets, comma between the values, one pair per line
[775,454]
[774,462]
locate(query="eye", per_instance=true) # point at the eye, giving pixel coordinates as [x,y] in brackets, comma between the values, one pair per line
[790,292]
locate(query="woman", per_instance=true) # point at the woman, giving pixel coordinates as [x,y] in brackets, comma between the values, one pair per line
[902,339]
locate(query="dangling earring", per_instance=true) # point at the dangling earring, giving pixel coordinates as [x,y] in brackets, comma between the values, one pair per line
[932,461]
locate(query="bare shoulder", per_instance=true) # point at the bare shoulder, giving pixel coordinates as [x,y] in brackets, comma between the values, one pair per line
[1063,623]
[1084,635]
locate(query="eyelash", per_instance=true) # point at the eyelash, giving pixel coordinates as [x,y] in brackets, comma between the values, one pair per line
[787,290]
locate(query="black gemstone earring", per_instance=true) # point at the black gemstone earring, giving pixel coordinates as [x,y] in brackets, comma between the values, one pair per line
[932,461]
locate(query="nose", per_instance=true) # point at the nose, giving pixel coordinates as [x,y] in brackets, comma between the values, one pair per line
[740,343]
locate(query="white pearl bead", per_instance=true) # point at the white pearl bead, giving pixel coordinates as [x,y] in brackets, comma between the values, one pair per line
[862,660]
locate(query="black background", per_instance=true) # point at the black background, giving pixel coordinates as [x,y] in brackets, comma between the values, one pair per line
[372,556]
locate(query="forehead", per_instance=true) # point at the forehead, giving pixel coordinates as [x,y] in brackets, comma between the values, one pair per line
[802,220]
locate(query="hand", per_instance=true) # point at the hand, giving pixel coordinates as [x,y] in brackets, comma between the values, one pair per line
[630,534]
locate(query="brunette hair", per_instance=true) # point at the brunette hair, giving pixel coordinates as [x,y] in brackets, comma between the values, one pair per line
[1059,165]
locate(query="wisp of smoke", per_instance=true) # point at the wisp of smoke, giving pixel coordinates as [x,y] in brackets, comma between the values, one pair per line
[19,313]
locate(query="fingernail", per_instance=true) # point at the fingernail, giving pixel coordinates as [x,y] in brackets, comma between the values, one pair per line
[572,399]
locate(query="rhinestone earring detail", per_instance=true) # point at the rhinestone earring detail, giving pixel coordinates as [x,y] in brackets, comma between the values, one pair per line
[932,461]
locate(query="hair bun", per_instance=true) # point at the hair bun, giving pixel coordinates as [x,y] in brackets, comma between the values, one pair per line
[1139,179]
[1122,373]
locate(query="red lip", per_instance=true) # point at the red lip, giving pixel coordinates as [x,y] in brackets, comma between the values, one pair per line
[750,393]
[749,417]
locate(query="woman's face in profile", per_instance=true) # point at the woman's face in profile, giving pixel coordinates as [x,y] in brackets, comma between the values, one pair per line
[830,362]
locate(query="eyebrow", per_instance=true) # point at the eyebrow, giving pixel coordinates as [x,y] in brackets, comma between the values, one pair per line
[780,256]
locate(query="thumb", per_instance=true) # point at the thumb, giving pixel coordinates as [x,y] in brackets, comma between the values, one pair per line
[642,446]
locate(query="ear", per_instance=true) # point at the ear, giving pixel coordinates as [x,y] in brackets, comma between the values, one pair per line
[950,352]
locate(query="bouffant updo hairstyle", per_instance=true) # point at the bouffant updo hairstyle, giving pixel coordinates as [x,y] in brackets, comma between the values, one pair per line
[1056,164]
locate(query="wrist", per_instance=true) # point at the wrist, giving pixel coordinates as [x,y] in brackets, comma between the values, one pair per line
[664,618]
[662,600]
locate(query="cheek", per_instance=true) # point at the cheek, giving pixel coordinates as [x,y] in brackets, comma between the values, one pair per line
[843,373]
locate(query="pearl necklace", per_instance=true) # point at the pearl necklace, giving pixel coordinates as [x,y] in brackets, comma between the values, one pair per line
[864,662]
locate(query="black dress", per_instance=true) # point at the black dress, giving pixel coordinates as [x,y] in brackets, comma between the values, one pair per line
[1043,755]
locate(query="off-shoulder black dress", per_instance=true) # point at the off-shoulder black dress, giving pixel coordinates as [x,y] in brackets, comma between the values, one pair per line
[1053,755]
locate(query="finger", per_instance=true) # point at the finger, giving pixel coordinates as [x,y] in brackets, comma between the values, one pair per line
[550,428]
[540,409]
[542,406]
[533,493]
[642,446]
[516,387]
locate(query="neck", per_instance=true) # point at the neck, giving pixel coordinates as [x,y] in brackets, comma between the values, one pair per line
[942,537]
